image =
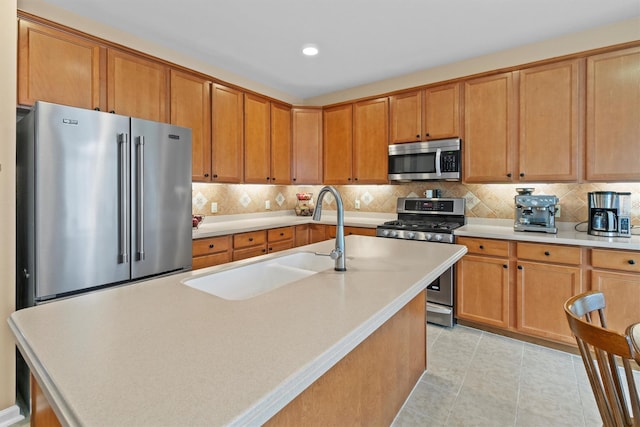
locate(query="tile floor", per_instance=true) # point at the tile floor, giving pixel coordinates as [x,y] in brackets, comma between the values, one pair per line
[476,378]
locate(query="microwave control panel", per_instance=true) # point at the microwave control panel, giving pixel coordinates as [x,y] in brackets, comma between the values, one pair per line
[449,161]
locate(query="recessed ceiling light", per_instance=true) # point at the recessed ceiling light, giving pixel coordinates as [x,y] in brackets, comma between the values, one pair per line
[310,50]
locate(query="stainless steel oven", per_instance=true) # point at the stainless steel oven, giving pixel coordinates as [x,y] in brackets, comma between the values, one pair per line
[430,220]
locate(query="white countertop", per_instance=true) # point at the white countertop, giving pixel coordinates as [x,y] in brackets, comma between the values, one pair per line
[567,235]
[230,224]
[162,353]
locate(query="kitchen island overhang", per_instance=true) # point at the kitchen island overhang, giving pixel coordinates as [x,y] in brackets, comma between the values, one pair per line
[162,352]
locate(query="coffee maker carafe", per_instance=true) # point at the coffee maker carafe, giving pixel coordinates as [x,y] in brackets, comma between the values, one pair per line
[609,214]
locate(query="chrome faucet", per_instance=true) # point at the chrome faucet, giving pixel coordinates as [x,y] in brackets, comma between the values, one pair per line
[338,253]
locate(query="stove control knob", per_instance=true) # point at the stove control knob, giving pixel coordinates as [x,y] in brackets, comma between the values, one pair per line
[411,235]
[393,234]
[428,237]
[438,238]
[385,233]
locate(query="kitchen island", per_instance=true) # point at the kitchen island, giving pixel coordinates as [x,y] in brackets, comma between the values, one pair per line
[162,353]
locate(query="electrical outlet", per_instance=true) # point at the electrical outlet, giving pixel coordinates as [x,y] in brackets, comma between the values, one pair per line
[214,207]
[558,210]
[357,203]
[267,204]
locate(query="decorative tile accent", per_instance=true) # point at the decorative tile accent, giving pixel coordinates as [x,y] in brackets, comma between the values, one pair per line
[470,200]
[367,198]
[199,201]
[412,194]
[245,200]
[280,199]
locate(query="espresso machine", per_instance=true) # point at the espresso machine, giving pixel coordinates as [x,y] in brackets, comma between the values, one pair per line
[609,214]
[535,212]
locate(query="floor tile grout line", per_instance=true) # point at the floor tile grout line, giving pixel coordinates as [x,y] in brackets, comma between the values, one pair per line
[515,421]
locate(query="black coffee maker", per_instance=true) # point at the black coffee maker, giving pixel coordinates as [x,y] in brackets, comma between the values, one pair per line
[608,214]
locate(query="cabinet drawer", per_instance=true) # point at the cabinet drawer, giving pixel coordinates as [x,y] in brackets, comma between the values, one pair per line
[209,260]
[249,252]
[360,231]
[279,234]
[246,240]
[616,260]
[485,246]
[550,253]
[280,246]
[211,245]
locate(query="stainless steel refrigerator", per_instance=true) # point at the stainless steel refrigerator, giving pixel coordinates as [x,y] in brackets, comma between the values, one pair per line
[102,199]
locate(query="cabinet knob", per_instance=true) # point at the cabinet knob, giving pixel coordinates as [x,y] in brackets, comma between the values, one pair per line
[264,250]
[481,246]
[520,267]
[97,109]
[270,249]
[355,179]
[427,134]
[206,175]
[251,239]
[294,179]
[215,175]
[508,175]
[282,234]
[505,266]
[112,112]
[348,179]
[211,246]
[418,136]
[267,178]
[547,253]
[632,261]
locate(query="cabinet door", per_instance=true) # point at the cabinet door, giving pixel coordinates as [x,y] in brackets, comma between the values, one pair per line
[191,108]
[613,108]
[307,146]
[227,134]
[482,291]
[317,233]
[280,144]
[338,144]
[550,122]
[542,290]
[490,119]
[622,294]
[58,67]
[301,235]
[371,141]
[137,87]
[442,111]
[406,117]
[257,140]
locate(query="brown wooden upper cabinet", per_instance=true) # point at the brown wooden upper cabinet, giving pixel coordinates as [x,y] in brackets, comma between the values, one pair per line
[613,116]
[338,143]
[550,115]
[307,145]
[227,152]
[490,128]
[57,66]
[191,107]
[371,141]
[356,137]
[267,141]
[137,87]
[425,114]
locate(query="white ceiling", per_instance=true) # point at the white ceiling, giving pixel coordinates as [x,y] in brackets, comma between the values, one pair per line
[360,41]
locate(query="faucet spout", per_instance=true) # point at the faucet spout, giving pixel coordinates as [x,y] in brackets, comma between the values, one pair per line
[338,253]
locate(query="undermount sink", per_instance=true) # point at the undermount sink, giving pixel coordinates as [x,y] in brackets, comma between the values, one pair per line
[254,279]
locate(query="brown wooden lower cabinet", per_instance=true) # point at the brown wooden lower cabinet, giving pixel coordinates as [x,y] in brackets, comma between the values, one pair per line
[42,414]
[370,384]
[301,235]
[211,251]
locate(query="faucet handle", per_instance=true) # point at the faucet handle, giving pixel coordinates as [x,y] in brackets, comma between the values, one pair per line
[334,254]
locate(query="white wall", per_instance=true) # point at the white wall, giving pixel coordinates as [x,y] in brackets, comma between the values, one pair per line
[8,32]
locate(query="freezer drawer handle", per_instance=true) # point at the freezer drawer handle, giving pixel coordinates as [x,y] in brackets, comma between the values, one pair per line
[123,256]
[140,201]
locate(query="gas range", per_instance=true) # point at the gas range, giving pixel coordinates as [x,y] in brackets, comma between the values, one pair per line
[425,219]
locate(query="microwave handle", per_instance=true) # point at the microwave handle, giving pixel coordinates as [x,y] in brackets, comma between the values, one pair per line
[438,154]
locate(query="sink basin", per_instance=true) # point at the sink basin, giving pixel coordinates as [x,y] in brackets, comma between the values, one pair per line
[254,279]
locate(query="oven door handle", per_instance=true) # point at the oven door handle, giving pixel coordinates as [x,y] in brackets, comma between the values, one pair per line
[438,309]
[438,156]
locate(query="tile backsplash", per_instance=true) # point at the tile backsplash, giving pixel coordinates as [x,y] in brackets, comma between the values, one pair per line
[482,200]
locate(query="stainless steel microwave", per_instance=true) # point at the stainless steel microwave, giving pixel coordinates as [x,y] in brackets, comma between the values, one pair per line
[424,161]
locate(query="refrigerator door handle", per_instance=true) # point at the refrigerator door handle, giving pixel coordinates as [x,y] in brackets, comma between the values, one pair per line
[140,200]
[123,256]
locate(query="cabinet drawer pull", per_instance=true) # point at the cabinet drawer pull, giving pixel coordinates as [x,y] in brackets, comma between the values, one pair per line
[505,266]
[521,175]
[251,239]
[211,246]
[281,233]
[418,136]
[481,246]
[520,267]
[547,253]
[508,175]
[632,261]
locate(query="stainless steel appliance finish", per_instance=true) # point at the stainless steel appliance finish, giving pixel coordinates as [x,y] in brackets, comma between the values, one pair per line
[424,161]
[535,213]
[103,199]
[430,220]
[609,214]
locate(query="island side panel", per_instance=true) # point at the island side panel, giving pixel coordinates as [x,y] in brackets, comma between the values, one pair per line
[42,414]
[370,384]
